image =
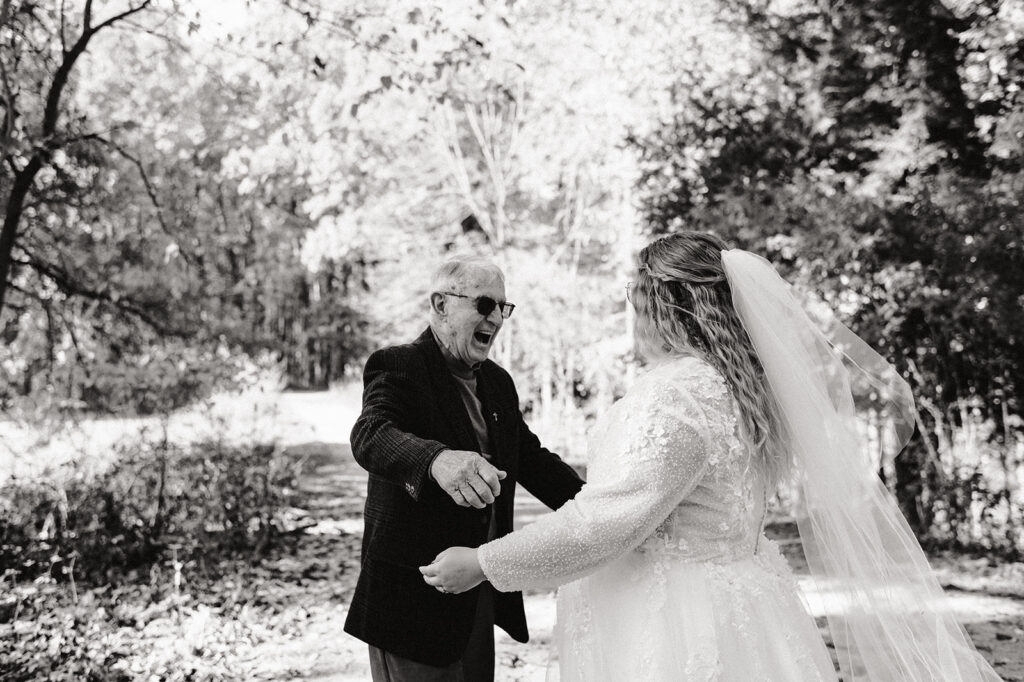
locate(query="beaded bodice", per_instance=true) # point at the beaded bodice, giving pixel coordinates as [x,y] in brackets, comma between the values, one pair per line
[668,477]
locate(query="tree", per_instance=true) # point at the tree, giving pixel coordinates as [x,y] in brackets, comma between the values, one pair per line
[154,252]
[500,132]
[32,137]
[870,157]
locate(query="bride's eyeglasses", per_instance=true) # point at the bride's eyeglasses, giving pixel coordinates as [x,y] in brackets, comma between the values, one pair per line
[485,305]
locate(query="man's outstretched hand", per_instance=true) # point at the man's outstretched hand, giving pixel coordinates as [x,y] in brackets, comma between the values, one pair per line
[467,477]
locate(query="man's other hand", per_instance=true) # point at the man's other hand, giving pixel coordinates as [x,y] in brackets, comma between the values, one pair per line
[454,571]
[468,478]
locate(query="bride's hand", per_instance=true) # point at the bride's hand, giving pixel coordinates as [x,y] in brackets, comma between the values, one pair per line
[454,570]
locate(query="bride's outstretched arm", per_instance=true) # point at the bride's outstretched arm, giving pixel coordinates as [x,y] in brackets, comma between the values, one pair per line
[666,455]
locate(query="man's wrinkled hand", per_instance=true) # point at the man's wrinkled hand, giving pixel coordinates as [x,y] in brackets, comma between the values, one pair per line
[468,478]
[454,571]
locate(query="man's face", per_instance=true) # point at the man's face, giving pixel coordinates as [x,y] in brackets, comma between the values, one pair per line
[467,334]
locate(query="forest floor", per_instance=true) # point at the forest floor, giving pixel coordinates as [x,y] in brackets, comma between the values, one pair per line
[281,617]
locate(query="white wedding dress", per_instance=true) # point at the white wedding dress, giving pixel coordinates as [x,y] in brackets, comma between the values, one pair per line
[665,571]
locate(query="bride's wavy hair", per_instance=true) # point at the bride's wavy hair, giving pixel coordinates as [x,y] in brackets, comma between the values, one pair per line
[683,303]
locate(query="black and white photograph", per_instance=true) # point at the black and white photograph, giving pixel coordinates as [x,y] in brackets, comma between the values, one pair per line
[512,341]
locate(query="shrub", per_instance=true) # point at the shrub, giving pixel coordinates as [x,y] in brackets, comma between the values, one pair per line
[69,644]
[207,498]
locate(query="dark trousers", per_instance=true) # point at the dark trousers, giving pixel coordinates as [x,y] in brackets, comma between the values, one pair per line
[476,665]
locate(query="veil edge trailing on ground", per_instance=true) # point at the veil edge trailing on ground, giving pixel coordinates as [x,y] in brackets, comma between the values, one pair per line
[887,613]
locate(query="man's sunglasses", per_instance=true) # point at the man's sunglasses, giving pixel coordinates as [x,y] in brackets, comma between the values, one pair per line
[485,305]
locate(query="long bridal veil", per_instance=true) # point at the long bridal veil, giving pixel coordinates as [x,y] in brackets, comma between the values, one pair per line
[887,614]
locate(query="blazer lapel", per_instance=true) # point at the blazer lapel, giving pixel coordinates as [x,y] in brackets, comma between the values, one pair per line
[449,400]
[489,403]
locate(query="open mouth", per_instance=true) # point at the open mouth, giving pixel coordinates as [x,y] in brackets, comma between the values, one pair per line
[483,337]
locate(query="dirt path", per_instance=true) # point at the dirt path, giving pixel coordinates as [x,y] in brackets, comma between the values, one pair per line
[319,574]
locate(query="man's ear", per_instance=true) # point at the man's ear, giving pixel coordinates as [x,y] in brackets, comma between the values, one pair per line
[437,303]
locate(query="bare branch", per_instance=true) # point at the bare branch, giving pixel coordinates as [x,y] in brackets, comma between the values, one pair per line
[10,111]
[63,281]
[150,189]
[87,17]
[447,131]
[486,126]
[123,15]
[342,25]
[27,294]
[63,32]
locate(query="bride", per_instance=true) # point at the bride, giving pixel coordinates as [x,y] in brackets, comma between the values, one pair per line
[665,571]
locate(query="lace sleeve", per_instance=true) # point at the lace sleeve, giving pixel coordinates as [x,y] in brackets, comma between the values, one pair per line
[665,456]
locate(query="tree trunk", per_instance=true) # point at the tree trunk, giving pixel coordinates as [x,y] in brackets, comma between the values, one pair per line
[12,217]
[909,485]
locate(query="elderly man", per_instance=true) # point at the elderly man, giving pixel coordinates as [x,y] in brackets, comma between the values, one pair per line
[445,444]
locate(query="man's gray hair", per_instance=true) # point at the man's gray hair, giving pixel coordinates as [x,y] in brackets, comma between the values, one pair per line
[455,272]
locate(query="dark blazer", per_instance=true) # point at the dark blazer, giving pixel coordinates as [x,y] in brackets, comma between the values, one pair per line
[411,411]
